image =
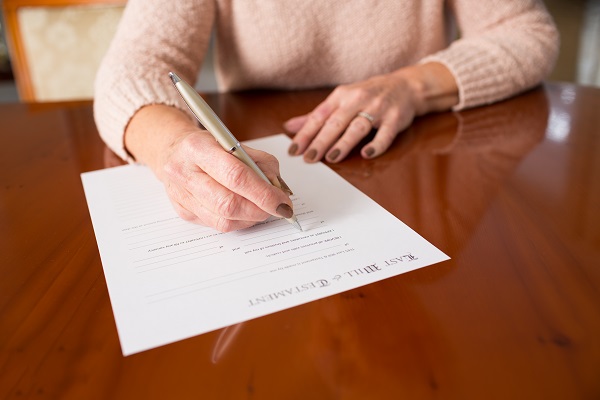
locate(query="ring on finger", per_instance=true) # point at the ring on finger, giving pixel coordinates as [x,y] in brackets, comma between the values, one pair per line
[366,115]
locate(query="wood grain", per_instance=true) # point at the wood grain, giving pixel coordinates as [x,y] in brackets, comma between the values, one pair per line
[510,192]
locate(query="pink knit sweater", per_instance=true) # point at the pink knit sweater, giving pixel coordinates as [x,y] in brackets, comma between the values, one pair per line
[505,46]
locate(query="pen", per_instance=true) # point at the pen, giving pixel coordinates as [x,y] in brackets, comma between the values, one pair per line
[217,128]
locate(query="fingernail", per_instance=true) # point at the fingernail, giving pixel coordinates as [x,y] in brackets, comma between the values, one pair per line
[311,154]
[284,211]
[369,151]
[293,149]
[284,186]
[333,155]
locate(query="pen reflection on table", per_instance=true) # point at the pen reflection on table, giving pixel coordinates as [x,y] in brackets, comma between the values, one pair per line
[217,128]
[224,341]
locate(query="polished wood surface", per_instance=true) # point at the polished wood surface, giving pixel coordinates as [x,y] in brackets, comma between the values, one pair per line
[511,192]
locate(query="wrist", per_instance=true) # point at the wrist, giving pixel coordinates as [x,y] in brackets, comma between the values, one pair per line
[432,87]
[153,131]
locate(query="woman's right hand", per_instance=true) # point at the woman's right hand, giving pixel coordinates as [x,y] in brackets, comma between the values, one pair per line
[205,184]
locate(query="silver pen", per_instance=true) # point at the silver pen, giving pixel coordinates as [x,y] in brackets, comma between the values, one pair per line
[217,128]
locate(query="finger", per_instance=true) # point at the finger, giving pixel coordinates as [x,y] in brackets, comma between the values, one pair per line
[206,218]
[196,190]
[381,142]
[267,163]
[331,131]
[313,124]
[283,186]
[392,124]
[293,125]
[189,209]
[183,212]
[358,129]
[240,179]
[270,166]
[211,202]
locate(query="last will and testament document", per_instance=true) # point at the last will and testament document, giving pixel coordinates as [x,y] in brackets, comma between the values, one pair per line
[169,279]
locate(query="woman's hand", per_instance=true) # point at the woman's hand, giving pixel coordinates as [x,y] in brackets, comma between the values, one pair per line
[387,103]
[206,184]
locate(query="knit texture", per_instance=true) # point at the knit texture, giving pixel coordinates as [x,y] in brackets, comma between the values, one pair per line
[505,46]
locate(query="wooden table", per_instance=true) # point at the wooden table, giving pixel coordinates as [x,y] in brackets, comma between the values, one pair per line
[511,192]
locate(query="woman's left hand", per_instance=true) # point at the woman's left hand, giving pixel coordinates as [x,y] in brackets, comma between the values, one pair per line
[387,103]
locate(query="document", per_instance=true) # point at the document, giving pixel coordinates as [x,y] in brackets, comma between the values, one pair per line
[169,279]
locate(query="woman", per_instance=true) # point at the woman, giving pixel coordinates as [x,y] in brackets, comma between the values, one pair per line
[390,60]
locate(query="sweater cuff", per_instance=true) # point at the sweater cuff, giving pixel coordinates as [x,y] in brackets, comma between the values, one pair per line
[114,106]
[480,81]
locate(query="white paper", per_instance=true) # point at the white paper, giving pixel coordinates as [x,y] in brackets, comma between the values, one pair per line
[169,279]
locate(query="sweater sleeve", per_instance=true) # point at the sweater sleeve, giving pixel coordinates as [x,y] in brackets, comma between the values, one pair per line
[153,38]
[505,47]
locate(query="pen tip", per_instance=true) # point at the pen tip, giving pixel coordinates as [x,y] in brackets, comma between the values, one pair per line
[297,225]
[174,77]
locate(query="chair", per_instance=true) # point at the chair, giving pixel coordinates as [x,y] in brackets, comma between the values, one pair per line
[588,69]
[57,45]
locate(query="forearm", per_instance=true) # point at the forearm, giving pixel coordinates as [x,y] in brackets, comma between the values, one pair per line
[134,70]
[503,49]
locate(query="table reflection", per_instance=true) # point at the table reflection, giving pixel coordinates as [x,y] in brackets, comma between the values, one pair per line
[442,173]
